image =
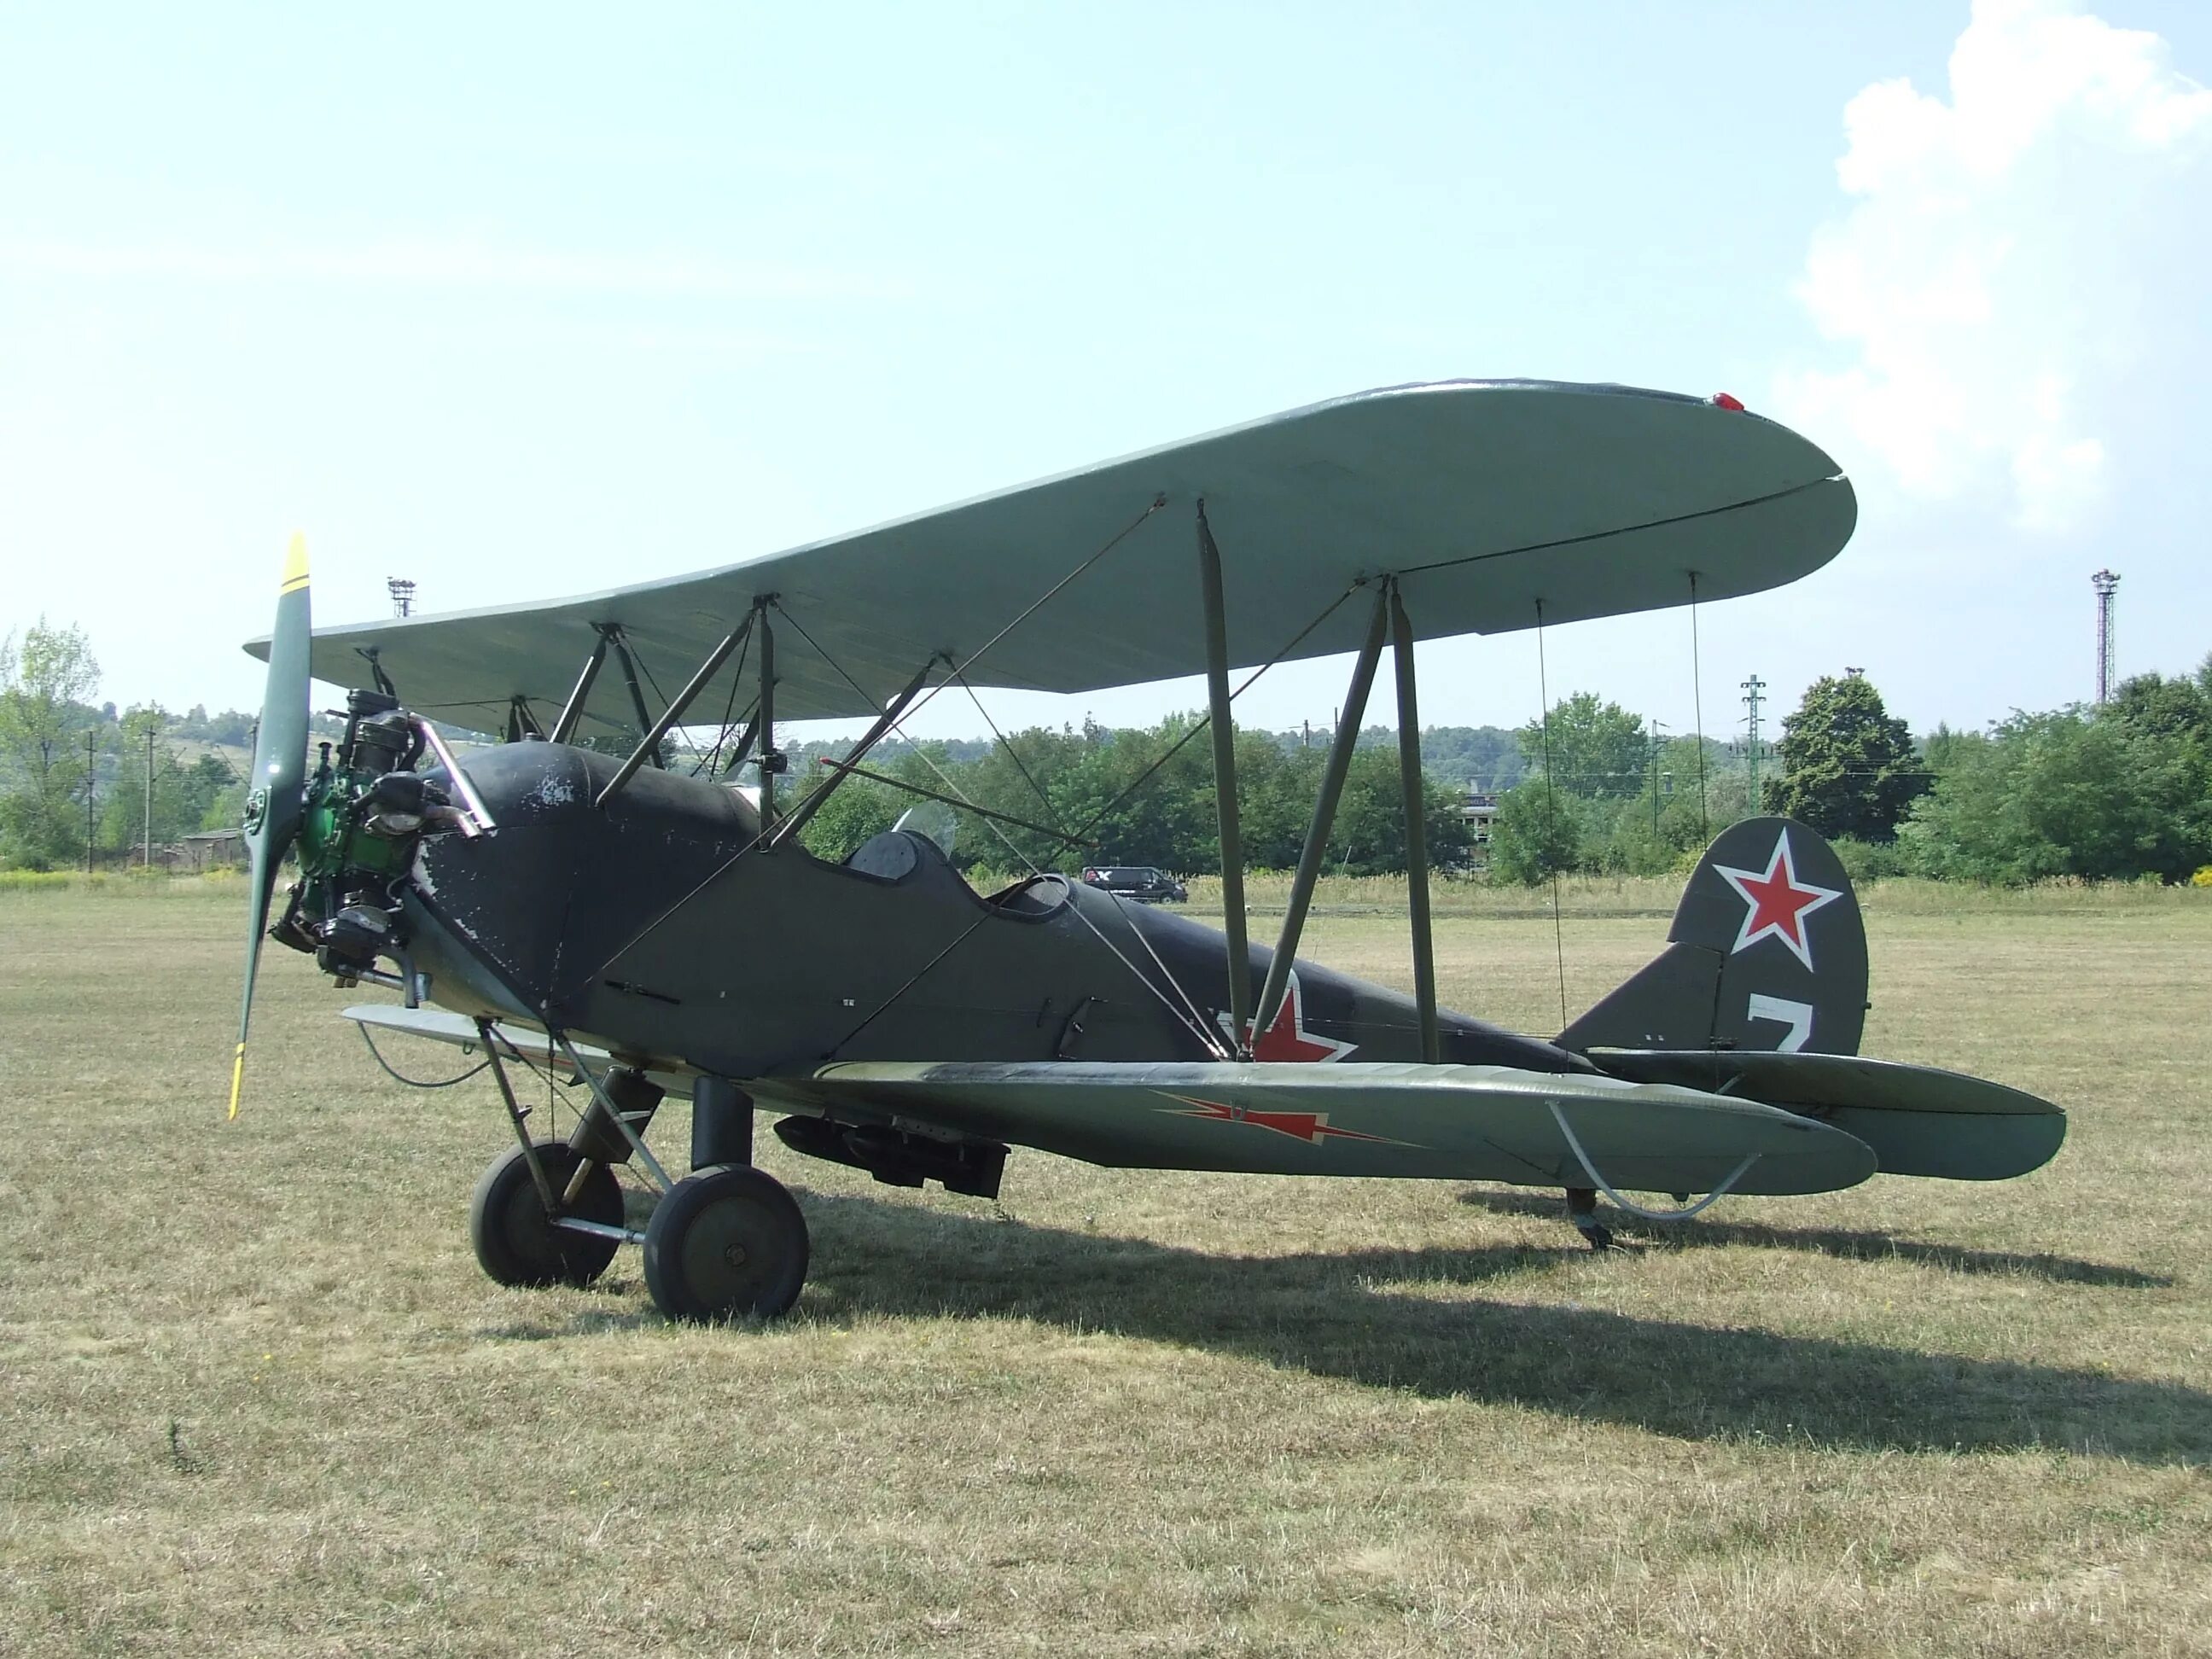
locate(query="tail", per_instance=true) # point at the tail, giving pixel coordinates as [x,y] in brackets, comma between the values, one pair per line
[1767,953]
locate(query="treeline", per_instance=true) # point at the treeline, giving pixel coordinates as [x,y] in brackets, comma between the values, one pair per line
[2122,791]
[2118,792]
[74,773]
[1060,799]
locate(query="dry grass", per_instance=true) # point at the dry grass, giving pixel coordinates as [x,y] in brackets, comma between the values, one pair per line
[254,1395]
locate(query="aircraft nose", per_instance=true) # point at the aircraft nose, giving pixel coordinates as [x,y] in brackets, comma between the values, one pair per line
[563,883]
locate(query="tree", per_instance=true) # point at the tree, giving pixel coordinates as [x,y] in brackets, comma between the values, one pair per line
[45,684]
[2075,792]
[2168,707]
[1595,749]
[1848,769]
[1537,833]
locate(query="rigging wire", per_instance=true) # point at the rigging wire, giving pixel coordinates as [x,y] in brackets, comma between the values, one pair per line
[676,731]
[1051,812]
[737,679]
[1551,816]
[1206,720]
[1698,701]
[1038,604]
[1188,1014]
[720,870]
[1251,679]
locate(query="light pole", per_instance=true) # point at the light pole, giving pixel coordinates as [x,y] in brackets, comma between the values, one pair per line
[91,736]
[1754,690]
[148,863]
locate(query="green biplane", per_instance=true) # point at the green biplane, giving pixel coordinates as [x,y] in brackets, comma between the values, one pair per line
[645,931]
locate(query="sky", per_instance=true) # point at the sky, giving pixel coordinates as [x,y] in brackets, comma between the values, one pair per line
[524,301]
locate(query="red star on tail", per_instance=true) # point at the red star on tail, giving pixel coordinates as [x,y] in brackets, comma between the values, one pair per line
[1778,902]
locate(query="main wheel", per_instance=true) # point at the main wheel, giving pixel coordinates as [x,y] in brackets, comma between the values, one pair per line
[726,1242]
[517,1243]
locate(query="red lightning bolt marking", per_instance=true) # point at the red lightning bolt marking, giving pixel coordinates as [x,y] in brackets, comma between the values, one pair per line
[1312,1127]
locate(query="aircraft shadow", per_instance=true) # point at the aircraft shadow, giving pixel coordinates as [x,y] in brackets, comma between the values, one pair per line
[1323,1314]
[1864,1246]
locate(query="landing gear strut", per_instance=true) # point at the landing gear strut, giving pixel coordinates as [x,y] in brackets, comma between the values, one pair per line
[1582,1209]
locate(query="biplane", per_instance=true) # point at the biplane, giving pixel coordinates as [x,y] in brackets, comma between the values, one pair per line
[640,929]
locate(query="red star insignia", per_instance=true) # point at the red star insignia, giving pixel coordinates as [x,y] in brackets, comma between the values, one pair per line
[1286,1037]
[1778,902]
[1312,1127]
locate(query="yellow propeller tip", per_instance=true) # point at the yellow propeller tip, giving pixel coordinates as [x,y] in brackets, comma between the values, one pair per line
[237,1077]
[295,564]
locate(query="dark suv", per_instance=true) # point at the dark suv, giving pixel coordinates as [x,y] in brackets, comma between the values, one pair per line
[1140,882]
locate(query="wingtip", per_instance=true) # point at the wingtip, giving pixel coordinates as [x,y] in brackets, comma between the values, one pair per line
[295,564]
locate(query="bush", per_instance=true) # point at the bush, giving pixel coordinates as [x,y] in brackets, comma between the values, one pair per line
[1865,862]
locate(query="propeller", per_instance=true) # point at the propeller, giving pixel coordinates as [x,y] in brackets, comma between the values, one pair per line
[273,804]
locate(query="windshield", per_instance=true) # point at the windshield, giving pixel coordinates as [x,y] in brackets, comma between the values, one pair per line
[934,820]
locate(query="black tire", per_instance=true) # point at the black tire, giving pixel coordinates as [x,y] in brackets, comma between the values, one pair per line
[726,1242]
[515,1243]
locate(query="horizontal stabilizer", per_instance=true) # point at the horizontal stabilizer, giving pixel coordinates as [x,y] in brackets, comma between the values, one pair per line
[1919,1120]
[1447,1122]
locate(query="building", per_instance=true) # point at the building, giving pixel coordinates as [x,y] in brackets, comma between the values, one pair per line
[1479,808]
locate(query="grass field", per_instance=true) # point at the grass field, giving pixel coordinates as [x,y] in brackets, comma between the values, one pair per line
[255,1395]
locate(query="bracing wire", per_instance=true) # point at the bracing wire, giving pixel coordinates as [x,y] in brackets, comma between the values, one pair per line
[959,669]
[736,678]
[1206,720]
[1698,703]
[1051,812]
[1038,604]
[1551,816]
[1189,1013]
[1088,826]
[676,731]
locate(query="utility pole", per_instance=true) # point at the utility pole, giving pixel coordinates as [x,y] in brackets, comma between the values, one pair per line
[149,798]
[2106,583]
[91,736]
[1753,688]
[1657,745]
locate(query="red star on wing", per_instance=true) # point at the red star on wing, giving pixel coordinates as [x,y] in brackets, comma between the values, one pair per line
[1312,1127]
[1778,902]
[1286,1037]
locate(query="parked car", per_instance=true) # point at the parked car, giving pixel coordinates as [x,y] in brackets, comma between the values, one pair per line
[1140,882]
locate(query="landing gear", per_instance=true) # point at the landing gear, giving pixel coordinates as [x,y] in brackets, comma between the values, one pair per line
[726,1242]
[516,1239]
[1582,1209]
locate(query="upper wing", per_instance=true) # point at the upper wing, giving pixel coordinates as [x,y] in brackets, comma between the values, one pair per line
[1484,497]
[1452,1122]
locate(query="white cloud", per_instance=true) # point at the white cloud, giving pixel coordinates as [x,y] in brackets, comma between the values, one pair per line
[2008,263]
[408,262]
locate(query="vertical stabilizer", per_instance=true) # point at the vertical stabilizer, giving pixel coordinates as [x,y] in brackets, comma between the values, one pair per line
[1767,953]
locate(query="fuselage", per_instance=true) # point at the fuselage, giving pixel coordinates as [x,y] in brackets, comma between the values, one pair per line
[662,928]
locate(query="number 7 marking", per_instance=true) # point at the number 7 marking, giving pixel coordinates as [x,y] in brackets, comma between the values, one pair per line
[1797,1016]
